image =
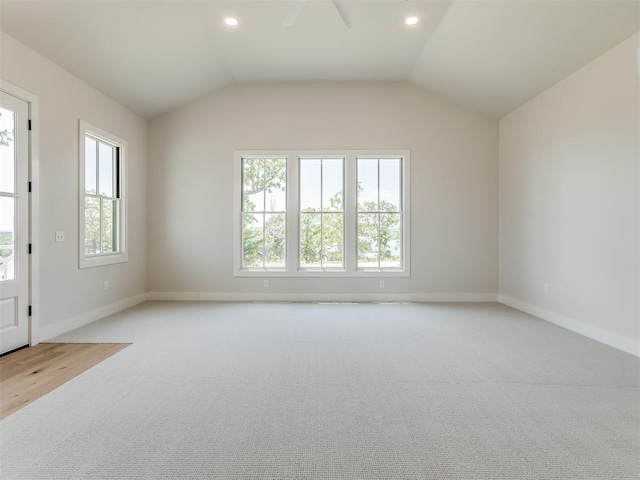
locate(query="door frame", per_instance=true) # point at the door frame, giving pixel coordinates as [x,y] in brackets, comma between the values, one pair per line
[34,205]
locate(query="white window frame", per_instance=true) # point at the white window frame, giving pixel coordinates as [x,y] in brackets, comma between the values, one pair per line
[292,264]
[87,261]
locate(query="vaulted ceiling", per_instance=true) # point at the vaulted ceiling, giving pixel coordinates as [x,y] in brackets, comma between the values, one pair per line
[153,56]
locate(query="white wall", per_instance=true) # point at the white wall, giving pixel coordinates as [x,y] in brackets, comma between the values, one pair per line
[569,205]
[454,176]
[66,292]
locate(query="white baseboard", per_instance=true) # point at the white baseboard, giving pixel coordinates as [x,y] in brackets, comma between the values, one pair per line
[48,332]
[321,297]
[596,333]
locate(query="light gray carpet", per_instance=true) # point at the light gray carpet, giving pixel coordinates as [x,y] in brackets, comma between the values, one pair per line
[302,391]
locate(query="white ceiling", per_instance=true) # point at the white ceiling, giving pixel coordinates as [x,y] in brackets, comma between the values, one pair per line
[154,56]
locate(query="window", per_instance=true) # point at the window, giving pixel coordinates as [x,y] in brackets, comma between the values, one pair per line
[102,212]
[332,213]
[321,213]
[264,205]
[379,213]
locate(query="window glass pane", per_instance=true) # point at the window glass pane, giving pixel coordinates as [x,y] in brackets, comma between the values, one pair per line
[252,185]
[310,185]
[390,240]
[106,161]
[368,240]
[7,238]
[92,225]
[310,240]
[332,240]
[109,226]
[90,163]
[252,240]
[274,240]
[275,179]
[367,185]
[332,184]
[390,185]
[7,151]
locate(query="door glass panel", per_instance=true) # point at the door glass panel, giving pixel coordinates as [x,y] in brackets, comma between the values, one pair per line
[7,238]
[7,151]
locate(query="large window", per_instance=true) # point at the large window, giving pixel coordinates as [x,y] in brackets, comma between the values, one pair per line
[331,213]
[101,197]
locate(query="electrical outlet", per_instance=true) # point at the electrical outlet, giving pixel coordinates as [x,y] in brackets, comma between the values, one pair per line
[265,283]
[381,283]
[106,285]
[59,237]
[546,288]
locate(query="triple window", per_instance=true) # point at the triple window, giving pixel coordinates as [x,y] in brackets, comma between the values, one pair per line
[329,213]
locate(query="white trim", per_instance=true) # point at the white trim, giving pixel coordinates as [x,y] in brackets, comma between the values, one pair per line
[48,332]
[350,213]
[34,213]
[578,326]
[122,256]
[321,297]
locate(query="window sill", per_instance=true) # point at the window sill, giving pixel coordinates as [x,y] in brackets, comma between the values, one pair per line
[101,260]
[322,273]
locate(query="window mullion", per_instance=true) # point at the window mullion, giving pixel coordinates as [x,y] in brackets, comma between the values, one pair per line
[101,225]
[293,216]
[321,214]
[350,248]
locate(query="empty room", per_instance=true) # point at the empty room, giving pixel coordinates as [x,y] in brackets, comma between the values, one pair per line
[320,239]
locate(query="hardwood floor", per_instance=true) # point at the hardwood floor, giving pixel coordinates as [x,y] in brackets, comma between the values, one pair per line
[30,373]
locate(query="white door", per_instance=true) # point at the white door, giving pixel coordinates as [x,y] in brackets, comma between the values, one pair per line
[14,223]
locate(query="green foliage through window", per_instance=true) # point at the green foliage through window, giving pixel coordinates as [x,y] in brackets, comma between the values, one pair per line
[264,183]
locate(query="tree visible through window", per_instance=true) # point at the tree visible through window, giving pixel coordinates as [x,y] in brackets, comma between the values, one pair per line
[349,213]
[264,202]
[379,213]
[101,198]
[321,213]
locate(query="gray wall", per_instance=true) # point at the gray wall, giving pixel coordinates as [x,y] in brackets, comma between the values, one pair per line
[569,205]
[454,190]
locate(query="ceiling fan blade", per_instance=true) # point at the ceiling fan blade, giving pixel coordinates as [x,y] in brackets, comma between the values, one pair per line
[342,10]
[293,14]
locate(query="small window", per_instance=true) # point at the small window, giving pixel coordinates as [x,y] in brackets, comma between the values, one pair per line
[102,200]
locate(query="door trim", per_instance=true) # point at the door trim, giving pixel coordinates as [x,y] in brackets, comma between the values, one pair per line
[34,205]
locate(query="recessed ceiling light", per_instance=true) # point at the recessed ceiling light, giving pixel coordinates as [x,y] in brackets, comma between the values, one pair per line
[411,20]
[232,22]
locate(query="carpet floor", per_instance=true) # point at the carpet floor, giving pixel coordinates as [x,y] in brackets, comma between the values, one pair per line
[333,392]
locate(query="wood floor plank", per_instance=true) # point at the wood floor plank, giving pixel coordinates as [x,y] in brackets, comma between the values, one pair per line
[30,373]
